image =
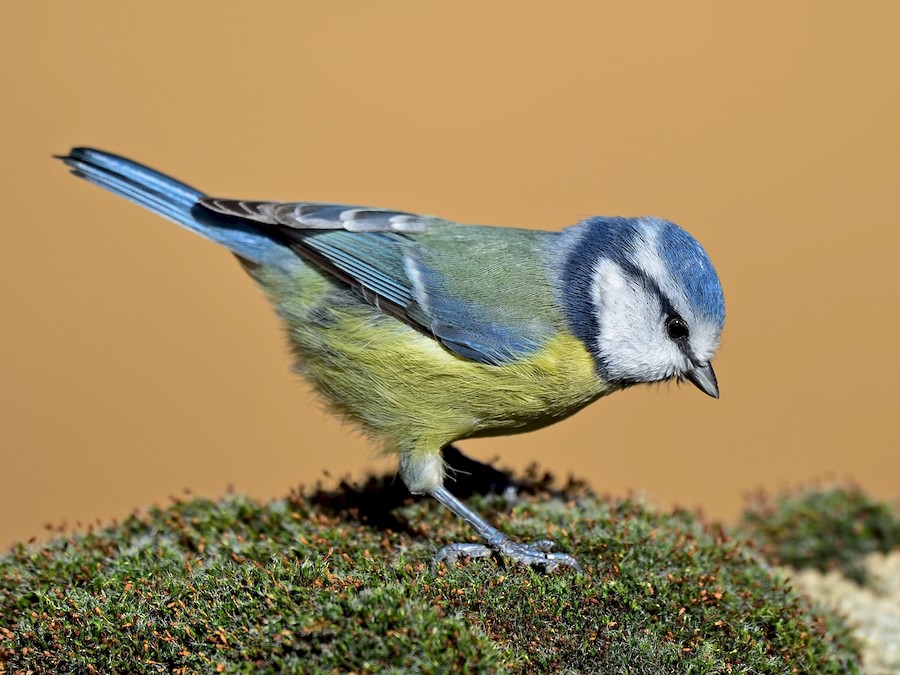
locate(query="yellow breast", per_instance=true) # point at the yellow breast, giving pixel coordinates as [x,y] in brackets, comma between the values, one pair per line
[408,390]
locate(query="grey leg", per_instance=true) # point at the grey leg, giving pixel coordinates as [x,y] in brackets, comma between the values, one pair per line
[535,554]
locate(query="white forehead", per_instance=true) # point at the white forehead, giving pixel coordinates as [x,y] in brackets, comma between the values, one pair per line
[646,255]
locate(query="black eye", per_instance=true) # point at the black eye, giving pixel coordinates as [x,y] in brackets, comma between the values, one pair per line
[676,329]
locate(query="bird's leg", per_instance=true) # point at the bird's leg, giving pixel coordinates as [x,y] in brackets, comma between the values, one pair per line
[534,554]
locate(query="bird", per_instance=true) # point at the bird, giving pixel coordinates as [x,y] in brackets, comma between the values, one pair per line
[424,332]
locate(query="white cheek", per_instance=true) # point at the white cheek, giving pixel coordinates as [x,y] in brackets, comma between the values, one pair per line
[632,341]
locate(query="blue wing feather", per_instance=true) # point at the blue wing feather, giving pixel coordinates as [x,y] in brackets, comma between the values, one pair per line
[374,260]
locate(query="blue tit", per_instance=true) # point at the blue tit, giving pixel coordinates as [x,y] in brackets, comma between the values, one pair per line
[424,331]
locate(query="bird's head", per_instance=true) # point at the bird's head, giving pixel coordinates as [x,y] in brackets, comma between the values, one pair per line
[644,297]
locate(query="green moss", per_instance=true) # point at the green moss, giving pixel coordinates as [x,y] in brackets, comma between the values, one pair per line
[823,529]
[291,586]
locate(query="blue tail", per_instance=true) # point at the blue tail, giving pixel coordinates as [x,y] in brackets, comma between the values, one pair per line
[178,202]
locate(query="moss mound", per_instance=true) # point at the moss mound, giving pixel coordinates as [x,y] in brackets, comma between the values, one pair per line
[823,529]
[298,585]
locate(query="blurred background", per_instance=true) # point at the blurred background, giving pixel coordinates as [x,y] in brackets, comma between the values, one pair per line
[138,361]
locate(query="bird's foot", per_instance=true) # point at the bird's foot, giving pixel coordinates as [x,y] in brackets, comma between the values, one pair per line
[537,554]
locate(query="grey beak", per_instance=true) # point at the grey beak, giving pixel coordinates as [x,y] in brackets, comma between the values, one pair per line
[705,379]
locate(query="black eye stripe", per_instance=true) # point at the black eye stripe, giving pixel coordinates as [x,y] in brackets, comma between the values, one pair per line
[664,303]
[676,327]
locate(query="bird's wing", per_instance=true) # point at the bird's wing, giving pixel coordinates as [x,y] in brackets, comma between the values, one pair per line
[483,292]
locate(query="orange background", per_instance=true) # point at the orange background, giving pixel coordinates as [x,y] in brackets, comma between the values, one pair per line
[138,360]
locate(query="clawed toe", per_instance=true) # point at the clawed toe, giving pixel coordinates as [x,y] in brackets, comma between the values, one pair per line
[452,553]
[536,554]
[539,545]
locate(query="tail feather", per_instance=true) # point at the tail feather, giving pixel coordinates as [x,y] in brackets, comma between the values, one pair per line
[177,202]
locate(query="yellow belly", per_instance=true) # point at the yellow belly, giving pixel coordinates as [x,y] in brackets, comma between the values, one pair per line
[406,390]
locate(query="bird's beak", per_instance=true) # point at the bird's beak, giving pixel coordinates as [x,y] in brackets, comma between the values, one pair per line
[704,378]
